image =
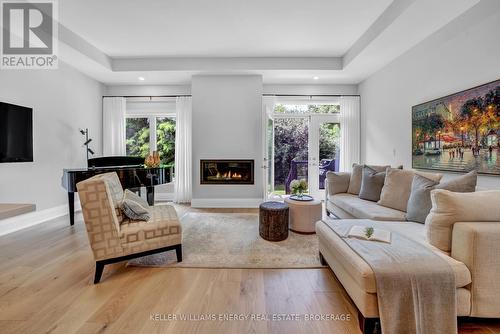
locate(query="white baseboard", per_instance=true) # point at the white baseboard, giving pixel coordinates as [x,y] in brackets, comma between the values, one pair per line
[226,202]
[20,222]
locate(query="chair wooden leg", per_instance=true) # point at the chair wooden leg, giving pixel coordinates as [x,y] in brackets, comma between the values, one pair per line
[99,267]
[322,260]
[178,252]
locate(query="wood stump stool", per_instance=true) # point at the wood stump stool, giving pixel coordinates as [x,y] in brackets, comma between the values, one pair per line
[273,221]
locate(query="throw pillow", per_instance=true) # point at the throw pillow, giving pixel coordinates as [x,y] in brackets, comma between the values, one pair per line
[134,206]
[337,182]
[371,184]
[397,187]
[419,203]
[462,184]
[357,176]
[449,208]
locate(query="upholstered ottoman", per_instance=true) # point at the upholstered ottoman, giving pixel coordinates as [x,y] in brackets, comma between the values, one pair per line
[304,215]
[357,277]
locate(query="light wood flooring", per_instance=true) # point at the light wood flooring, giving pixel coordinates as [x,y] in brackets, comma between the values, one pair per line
[46,287]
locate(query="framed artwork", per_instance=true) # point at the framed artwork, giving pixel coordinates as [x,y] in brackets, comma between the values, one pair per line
[459,132]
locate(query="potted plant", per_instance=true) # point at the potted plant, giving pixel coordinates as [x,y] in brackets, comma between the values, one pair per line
[299,187]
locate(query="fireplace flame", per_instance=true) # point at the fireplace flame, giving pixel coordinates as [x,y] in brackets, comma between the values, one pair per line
[229,175]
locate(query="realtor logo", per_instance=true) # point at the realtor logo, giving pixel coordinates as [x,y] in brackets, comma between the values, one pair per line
[29,34]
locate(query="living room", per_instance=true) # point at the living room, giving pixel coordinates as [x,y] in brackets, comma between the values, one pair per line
[266,166]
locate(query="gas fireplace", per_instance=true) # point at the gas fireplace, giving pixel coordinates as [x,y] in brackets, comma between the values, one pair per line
[226,171]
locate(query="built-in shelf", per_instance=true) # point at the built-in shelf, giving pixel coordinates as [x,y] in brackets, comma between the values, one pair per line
[8,210]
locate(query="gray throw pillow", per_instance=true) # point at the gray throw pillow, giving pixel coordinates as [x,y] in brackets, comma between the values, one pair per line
[357,176]
[371,184]
[419,204]
[461,184]
[134,206]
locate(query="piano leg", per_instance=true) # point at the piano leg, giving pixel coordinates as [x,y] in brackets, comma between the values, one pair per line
[150,195]
[71,204]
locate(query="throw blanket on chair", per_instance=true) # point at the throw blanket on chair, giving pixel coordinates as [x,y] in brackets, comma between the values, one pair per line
[415,287]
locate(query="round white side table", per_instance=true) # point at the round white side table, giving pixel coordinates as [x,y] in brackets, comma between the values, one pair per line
[304,215]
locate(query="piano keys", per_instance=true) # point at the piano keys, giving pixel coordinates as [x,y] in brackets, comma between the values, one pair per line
[131,172]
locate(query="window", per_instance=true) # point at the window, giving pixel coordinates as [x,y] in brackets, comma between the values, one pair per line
[151,127]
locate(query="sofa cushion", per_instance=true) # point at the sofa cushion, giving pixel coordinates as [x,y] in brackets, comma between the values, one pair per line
[451,207]
[361,208]
[163,223]
[419,203]
[371,184]
[461,184]
[397,187]
[357,175]
[337,182]
[362,273]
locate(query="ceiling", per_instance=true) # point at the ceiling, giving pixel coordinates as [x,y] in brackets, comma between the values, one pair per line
[287,41]
[229,28]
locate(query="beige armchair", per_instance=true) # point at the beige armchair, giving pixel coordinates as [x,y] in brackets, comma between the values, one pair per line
[113,237]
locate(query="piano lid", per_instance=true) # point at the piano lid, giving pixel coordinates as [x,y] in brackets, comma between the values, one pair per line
[114,161]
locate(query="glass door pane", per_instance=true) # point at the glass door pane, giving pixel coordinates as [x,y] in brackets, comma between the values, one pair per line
[165,139]
[291,136]
[137,136]
[324,150]
[329,145]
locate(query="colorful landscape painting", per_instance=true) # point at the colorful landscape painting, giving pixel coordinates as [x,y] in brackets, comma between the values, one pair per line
[459,132]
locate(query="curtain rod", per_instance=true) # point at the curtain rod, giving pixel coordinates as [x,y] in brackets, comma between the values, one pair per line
[311,95]
[278,95]
[148,96]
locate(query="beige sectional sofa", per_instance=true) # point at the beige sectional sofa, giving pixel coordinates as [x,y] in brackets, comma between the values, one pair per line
[469,242]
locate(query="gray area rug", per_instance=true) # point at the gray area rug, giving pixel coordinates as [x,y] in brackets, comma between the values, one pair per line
[231,240]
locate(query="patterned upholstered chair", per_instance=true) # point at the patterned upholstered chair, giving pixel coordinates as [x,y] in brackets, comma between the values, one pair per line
[113,237]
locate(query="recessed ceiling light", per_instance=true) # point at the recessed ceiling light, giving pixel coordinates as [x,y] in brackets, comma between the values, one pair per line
[141,78]
[316,78]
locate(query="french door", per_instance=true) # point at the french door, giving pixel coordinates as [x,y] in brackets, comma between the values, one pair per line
[299,147]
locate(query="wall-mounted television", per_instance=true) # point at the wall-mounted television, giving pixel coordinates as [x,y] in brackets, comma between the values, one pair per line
[16,133]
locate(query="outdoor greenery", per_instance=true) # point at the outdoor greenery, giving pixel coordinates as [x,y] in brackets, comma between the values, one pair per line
[290,143]
[137,138]
[165,143]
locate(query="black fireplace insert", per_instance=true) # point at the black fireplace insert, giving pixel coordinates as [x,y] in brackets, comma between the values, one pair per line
[227,171]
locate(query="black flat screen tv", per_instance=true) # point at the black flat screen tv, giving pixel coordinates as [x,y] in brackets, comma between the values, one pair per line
[16,133]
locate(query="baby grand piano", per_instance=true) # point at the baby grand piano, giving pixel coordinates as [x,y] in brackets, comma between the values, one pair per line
[131,172]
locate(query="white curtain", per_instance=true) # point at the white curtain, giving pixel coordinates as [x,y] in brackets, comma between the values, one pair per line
[350,122]
[113,126]
[268,104]
[183,151]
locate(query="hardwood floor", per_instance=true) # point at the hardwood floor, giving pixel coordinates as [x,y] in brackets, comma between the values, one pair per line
[46,286]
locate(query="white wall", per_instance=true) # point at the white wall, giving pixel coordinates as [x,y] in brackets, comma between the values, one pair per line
[464,54]
[227,125]
[63,101]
